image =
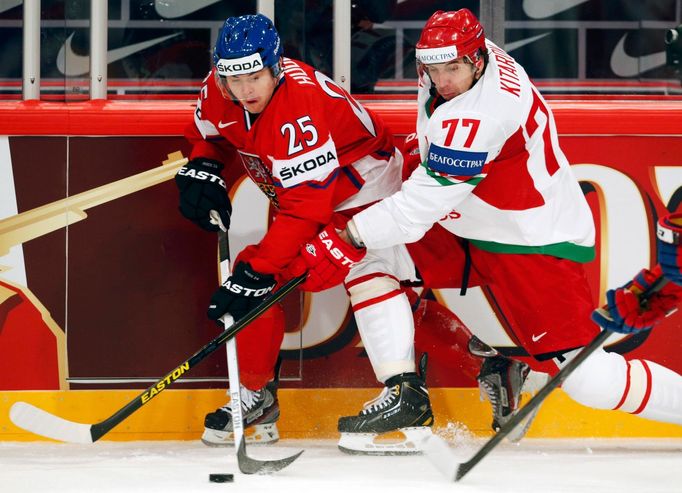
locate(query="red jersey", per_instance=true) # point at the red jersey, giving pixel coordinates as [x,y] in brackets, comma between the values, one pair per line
[302,151]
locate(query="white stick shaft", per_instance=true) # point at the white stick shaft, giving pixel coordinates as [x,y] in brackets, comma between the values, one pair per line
[235,396]
[232,365]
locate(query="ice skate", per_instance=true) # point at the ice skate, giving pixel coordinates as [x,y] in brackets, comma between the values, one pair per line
[402,407]
[260,409]
[502,380]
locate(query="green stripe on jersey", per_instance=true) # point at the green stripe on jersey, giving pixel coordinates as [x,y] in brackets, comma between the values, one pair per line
[442,180]
[564,249]
[427,106]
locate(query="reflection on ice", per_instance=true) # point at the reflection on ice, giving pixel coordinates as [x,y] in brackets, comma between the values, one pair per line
[546,466]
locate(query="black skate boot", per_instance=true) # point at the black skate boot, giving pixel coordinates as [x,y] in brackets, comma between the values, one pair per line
[403,405]
[501,380]
[260,410]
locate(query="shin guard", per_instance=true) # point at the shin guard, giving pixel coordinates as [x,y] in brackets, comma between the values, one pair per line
[384,319]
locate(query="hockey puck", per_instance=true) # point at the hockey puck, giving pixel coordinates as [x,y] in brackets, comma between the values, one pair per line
[221,478]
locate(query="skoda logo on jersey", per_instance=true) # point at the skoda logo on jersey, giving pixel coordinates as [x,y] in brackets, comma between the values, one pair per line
[238,66]
[316,165]
[318,161]
[455,162]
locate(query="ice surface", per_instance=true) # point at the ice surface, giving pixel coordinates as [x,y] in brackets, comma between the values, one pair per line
[542,466]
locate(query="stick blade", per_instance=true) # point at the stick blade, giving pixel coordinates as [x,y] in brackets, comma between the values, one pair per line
[249,465]
[438,452]
[40,422]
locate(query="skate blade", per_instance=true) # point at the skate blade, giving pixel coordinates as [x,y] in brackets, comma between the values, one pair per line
[406,441]
[534,382]
[256,434]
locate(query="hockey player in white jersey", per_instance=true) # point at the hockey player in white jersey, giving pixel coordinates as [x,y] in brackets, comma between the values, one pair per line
[494,179]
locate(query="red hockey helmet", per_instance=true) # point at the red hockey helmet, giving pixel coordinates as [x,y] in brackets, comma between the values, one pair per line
[450,35]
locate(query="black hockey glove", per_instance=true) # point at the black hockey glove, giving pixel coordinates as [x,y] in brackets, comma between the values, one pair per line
[243,291]
[202,189]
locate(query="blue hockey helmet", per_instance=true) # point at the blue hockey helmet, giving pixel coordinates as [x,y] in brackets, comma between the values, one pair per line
[247,44]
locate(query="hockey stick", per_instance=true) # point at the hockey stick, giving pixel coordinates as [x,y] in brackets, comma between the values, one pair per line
[40,422]
[247,465]
[438,451]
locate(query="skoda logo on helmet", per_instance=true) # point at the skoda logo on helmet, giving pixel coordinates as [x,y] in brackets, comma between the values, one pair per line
[238,66]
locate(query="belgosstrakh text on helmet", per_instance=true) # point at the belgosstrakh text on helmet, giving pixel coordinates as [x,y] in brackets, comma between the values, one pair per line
[436,55]
[459,31]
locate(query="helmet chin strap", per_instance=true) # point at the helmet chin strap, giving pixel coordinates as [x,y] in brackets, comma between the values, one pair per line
[480,74]
[277,70]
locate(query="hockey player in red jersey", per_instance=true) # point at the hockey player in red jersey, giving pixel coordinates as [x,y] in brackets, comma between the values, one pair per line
[494,179]
[319,156]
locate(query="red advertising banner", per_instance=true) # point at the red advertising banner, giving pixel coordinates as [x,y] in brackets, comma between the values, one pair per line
[104,285]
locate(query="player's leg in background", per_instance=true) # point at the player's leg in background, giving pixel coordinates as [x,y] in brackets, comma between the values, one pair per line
[453,348]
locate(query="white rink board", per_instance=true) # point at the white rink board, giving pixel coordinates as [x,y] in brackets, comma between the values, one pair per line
[542,466]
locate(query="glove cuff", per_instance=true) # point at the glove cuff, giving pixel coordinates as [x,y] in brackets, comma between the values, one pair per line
[214,165]
[247,271]
[644,280]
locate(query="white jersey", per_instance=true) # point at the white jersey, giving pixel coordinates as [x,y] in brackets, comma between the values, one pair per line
[492,172]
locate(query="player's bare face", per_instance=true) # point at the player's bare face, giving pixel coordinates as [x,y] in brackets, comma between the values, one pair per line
[451,78]
[253,90]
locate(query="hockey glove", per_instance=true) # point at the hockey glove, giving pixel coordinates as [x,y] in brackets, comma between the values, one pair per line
[626,312]
[668,233]
[202,189]
[244,290]
[327,258]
